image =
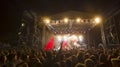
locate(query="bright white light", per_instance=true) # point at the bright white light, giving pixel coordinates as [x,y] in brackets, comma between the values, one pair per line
[22,24]
[75,43]
[81,38]
[78,20]
[74,37]
[66,20]
[47,21]
[59,38]
[97,20]
[65,37]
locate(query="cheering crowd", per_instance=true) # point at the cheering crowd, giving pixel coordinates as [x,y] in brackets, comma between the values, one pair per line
[28,57]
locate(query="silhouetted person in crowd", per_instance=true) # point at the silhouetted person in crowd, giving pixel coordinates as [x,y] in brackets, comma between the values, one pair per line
[22,64]
[79,65]
[2,60]
[89,63]
[102,61]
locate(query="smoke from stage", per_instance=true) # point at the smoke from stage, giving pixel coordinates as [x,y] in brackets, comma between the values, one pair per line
[66,42]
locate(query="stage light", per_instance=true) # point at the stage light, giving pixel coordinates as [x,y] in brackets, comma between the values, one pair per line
[59,38]
[22,24]
[75,43]
[81,38]
[65,37]
[78,20]
[66,20]
[47,20]
[74,37]
[97,20]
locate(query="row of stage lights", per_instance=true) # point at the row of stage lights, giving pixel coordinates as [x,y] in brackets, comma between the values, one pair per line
[73,37]
[96,20]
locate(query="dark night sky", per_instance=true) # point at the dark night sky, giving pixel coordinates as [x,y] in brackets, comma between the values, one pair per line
[11,10]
